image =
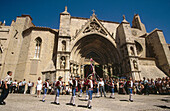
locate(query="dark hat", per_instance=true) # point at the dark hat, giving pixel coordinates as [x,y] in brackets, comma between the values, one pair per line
[60,77]
[77,76]
[90,75]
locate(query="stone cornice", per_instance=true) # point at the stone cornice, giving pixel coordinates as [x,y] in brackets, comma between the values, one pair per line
[63,52]
[65,37]
[147,58]
[62,69]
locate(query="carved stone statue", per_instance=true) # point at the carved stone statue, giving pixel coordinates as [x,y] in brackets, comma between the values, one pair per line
[135,64]
[132,51]
[63,62]
[74,69]
[71,68]
[63,46]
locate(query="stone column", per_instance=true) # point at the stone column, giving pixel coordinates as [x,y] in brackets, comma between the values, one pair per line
[71,68]
[58,61]
[111,71]
[106,70]
[74,69]
[67,62]
[82,71]
[103,70]
[79,70]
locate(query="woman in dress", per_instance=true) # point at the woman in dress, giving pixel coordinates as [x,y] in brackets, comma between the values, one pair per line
[39,87]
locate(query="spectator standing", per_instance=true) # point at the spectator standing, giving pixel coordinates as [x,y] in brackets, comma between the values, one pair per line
[14,87]
[23,86]
[101,87]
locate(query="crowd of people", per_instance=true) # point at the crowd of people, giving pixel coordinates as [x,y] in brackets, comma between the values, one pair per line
[18,86]
[103,86]
[90,85]
[145,86]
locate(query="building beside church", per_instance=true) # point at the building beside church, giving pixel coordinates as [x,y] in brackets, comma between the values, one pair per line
[118,49]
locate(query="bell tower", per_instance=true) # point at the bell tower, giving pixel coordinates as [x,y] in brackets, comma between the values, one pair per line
[128,49]
[63,51]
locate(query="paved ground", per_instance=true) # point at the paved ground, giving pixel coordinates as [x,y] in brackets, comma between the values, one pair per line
[18,102]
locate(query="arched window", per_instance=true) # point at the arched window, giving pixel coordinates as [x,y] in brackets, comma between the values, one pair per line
[38,47]
[138,47]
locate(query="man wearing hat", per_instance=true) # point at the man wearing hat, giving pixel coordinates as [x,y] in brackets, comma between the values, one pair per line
[74,86]
[45,85]
[58,85]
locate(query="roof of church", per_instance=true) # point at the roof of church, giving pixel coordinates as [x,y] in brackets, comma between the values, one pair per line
[41,29]
[99,20]
[154,31]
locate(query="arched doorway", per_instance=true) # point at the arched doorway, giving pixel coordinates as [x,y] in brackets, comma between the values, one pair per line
[103,52]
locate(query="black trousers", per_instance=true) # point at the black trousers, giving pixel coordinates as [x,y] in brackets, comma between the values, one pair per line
[4,93]
[29,89]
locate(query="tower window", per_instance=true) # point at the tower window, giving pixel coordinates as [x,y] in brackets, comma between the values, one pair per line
[38,47]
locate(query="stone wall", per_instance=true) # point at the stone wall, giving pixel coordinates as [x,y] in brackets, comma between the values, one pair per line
[15,41]
[149,69]
[159,48]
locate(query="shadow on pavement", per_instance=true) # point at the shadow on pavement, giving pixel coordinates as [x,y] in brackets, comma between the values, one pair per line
[53,103]
[124,100]
[83,106]
[69,104]
[166,100]
[83,100]
[162,106]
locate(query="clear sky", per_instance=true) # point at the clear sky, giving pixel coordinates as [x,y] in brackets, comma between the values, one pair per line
[153,13]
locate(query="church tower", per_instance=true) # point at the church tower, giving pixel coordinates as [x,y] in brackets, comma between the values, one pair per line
[130,61]
[63,52]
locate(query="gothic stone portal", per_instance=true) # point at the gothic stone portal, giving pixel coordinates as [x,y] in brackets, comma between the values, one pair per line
[102,51]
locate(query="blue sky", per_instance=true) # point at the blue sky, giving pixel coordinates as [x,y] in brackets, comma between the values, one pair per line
[153,13]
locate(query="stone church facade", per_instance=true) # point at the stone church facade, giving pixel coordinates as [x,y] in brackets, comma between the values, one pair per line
[118,49]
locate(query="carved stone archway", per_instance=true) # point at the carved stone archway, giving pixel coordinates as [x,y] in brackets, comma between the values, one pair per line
[99,48]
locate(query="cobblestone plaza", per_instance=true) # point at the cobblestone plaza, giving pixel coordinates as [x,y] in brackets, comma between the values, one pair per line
[19,102]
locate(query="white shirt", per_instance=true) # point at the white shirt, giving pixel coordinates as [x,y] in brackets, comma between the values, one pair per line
[7,79]
[131,83]
[24,82]
[30,84]
[14,83]
[70,81]
[60,83]
[39,82]
[101,83]
[76,82]
[20,84]
[47,85]
[91,84]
